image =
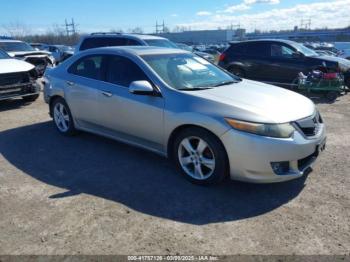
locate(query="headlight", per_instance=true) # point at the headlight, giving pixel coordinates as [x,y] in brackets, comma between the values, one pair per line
[269,130]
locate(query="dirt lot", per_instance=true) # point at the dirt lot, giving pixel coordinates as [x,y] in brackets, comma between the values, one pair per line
[90,195]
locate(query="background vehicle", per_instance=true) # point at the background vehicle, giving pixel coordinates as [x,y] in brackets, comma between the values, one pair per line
[60,52]
[117,39]
[17,79]
[179,105]
[23,51]
[278,61]
[204,55]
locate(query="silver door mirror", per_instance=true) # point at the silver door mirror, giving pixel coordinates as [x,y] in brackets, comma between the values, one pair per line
[141,88]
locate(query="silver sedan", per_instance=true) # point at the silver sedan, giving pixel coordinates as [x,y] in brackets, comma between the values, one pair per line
[211,123]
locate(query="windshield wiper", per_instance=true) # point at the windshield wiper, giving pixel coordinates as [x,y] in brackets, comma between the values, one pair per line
[225,83]
[194,88]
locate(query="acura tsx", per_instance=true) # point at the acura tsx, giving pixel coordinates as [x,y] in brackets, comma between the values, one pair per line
[211,123]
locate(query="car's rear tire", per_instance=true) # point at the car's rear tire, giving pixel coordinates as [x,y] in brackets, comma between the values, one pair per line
[237,71]
[30,98]
[332,96]
[200,156]
[62,117]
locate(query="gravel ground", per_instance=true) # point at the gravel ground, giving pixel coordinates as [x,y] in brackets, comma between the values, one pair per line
[91,195]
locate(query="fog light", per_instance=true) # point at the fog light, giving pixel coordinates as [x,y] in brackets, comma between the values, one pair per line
[280,168]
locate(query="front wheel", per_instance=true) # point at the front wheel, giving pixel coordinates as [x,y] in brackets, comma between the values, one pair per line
[62,117]
[30,98]
[200,156]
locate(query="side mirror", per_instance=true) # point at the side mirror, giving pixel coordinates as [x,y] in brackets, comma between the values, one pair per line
[141,88]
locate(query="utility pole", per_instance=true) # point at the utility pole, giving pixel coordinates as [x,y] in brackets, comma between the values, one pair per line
[160,28]
[305,24]
[70,27]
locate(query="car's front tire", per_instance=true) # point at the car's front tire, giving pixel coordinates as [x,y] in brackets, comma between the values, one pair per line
[30,98]
[200,156]
[62,117]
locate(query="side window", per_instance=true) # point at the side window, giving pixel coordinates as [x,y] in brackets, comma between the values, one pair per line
[122,71]
[259,49]
[237,49]
[89,67]
[133,42]
[95,42]
[281,51]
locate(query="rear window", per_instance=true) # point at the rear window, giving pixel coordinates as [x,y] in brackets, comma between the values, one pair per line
[95,42]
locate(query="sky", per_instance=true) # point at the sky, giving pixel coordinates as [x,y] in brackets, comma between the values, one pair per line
[39,16]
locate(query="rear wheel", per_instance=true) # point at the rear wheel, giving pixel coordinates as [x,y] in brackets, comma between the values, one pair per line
[30,98]
[332,96]
[237,71]
[200,156]
[62,117]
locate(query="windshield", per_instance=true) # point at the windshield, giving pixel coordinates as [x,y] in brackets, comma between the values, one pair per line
[188,72]
[304,50]
[161,43]
[3,55]
[185,47]
[15,46]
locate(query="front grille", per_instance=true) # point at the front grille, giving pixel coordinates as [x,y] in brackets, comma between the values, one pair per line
[310,126]
[13,84]
[13,79]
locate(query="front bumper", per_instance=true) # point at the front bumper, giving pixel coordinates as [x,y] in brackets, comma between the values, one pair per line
[251,156]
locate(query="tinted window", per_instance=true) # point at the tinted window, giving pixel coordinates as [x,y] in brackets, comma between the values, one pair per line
[122,71]
[282,51]
[237,49]
[250,49]
[96,42]
[15,46]
[89,67]
[3,55]
[133,42]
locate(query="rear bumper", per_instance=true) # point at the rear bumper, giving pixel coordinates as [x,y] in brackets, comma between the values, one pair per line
[251,157]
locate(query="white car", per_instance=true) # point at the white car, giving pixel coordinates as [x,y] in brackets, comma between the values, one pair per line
[345,54]
[17,79]
[24,51]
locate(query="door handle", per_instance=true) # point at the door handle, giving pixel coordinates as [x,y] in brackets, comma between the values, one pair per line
[107,94]
[70,83]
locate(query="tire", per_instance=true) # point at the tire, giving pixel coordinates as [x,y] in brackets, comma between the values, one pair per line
[332,96]
[237,72]
[207,164]
[62,117]
[30,98]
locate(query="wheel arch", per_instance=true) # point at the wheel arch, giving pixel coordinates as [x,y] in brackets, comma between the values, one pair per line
[51,100]
[183,127]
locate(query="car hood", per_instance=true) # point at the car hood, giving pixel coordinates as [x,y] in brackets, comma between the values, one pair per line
[344,63]
[258,102]
[14,66]
[28,53]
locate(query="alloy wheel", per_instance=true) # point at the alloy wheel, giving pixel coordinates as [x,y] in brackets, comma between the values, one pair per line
[196,158]
[61,117]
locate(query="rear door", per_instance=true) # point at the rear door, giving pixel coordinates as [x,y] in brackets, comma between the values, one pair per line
[252,57]
[82,87]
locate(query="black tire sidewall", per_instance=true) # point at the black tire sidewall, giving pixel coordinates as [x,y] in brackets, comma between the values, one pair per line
[71,128]
[221,162]
[234,70]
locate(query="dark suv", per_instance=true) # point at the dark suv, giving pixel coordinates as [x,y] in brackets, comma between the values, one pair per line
[278,62]
[96,40]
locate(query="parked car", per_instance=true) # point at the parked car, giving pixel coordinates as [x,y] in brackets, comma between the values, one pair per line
[204,55]
[118,39]
[17,79]
[23,51]
[345,54]
[278,61]
[211,123]
[60,52]
[38,46]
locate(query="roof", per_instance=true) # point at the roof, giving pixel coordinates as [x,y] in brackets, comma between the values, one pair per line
[265,40]
[137,36]
[139,50]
